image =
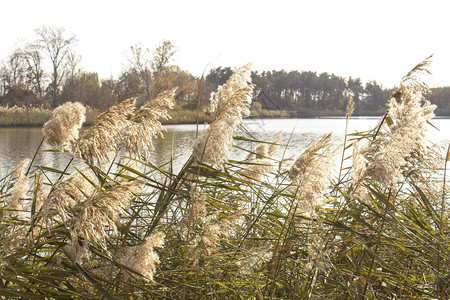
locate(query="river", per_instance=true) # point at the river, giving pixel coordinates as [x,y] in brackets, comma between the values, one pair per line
[22,142]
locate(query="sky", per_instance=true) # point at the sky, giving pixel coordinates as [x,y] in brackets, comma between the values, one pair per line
[372,40]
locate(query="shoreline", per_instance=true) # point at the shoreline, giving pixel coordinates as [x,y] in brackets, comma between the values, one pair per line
[26,118]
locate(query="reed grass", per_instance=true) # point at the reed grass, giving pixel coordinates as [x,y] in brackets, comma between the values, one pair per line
[122,227]
[23,116]
[187,116]
[33,116]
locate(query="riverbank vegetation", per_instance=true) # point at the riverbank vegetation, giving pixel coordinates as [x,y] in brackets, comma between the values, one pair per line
[31,116]
[373,226]
[46,72]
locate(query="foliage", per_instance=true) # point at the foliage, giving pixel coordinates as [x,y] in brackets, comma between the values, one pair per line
[308,91]
[249,229]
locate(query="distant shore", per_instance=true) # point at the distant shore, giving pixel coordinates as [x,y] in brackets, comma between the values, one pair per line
[24,117]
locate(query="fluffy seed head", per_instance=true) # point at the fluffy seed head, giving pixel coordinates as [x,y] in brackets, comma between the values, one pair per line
[143,258]
[230,104]
[96,142]
[202,227]
[67,193]
[259,162]
[257,168]
[19,170]
[20,188]
[350,108]
[39,192]
[98,214]
[236,93]
[399,146]
[310,173]
[63,127]
[145,125]
[253,260]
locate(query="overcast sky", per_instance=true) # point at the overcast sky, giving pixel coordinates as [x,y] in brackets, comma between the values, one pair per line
[374,40]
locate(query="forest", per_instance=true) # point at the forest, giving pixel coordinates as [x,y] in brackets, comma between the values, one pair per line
[47,72]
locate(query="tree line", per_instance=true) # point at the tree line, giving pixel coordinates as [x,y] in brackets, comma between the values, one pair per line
[46,72]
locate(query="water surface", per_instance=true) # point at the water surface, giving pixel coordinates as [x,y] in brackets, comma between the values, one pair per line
[22,142]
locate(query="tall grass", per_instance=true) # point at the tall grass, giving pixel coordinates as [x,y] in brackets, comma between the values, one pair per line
[32,116]
[23,116]
[259,228]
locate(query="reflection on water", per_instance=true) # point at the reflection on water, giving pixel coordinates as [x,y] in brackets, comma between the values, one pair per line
[19,143]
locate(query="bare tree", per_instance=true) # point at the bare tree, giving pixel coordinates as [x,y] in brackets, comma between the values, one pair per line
[4,79]
[16,67]
[141,64]
[163,55]
[152,68]
[73,64]
[35,71]
[13,72]
[57,46]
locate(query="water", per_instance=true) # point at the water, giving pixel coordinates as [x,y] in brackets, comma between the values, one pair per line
[19,143]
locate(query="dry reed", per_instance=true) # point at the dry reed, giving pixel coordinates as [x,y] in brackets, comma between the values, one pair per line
[380,231]
[62,129]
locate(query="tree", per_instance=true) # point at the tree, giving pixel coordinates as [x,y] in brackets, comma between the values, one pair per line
[151,72]
[83,88]
[128,85]
[107,95]
[13,71]
[73,64]
[21,77]
[441,97]
[174,76]
[141,65]
[35,71]
[56,44]
[375,97]
[163,55]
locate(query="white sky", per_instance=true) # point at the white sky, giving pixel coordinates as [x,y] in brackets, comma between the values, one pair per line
[374,40]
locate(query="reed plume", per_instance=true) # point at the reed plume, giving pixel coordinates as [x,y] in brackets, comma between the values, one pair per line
[145,124]
[399,147]
[39,192]
[310,174]
[350,108]
[102,137]
[20,188]
[98,214]
[209,230]
[253,260]
[230,104]
[19,170]
[67,193]
[143,258]
[259,162]
[202,227]
[257,168]
[234,97]
[63,127]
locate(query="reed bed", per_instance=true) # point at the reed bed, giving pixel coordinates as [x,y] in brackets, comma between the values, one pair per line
[258,228]
[24,116]
[33,116]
